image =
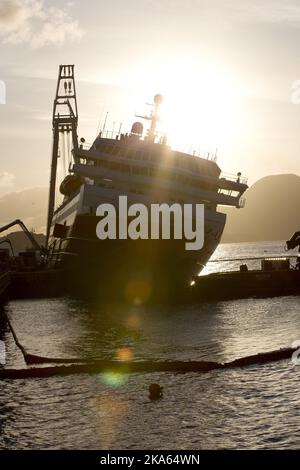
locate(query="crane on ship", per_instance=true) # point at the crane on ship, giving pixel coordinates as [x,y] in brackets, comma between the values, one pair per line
[64,126]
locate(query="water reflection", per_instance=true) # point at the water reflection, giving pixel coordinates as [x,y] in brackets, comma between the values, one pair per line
[69,328]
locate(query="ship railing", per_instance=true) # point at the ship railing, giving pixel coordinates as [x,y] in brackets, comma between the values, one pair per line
[85,145]
[188,149]
[197,152]
[236,178]
[112,134]
[90,145]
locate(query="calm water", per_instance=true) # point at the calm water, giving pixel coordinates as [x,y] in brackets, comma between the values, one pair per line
[255,407]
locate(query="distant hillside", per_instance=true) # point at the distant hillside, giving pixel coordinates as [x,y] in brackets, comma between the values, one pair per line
[29,205]
[20,242]
[272,211]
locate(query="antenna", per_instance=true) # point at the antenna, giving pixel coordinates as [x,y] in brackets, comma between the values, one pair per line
[100,120]
[120,128]
[105,121]
[154,117]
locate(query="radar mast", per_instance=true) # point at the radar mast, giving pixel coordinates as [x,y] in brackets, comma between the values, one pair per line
[154,116]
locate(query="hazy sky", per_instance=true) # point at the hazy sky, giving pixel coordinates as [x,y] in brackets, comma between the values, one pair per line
[225,68]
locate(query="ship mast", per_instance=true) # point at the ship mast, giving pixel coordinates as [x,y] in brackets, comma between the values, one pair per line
[64,121]
[154,117]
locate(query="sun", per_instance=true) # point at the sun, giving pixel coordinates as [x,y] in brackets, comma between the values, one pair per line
[199,107]
[198,113]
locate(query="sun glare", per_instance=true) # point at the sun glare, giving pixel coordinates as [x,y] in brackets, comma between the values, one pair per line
[198,111]
[199,117]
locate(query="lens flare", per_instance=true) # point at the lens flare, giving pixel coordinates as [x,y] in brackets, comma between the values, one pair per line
[114,379]
[138,292]
[133,321]
[124,354]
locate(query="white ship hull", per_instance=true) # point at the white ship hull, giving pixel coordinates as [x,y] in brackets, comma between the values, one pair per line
[160,267]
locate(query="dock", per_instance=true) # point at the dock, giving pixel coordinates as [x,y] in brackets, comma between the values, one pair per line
[275,279]
[230,285]
[37,284]
[25,277]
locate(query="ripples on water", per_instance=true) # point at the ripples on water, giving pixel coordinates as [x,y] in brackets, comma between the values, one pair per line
[255,407]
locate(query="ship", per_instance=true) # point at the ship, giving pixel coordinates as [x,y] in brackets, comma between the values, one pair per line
[143,167]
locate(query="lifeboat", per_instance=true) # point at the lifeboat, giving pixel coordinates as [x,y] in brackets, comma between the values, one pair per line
[70,184]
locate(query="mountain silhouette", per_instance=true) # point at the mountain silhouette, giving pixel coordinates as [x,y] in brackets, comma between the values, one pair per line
[20,242]
[30,206]
[272,211]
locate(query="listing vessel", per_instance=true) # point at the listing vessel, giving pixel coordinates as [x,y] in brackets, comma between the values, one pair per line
[143,167]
